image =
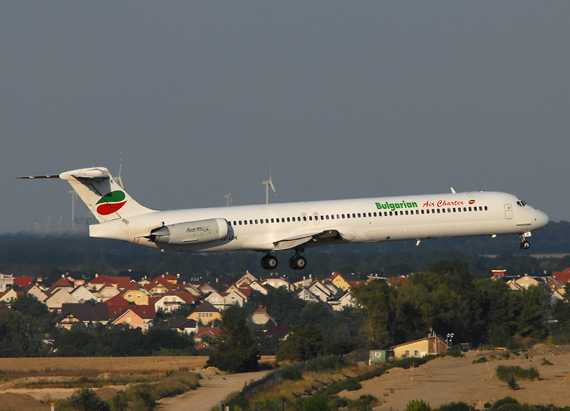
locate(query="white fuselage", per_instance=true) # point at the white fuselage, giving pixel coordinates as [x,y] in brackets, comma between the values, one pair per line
[277,226]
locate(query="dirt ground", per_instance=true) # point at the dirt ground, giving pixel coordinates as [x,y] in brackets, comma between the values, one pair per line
[25,399]
[448,379]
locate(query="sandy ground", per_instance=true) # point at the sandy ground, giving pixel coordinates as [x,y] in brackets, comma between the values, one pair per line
[211,391]
[215,387]
[449,379]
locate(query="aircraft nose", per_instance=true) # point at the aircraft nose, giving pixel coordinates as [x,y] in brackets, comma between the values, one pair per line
[541,218]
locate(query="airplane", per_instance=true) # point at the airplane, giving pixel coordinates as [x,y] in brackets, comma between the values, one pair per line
[299,226]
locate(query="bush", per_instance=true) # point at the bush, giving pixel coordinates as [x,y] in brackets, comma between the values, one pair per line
[85,399]
[291,373]
[480,360]
[504,372]
[418,405]
[455,406]
[512,383]
[316,403]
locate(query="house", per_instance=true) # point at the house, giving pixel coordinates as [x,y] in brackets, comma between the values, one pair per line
[346,300]
[432,344]
[36,291]
[101,280]
[344,281]
[106,292]
[562,276]
[246,279]
[61,284]
[56,300]
[183,325]
[277,282]
[10,295]
[136,316]
[261,317]
[172,301]
[82,294]
[260,288]
[159,286]
[23,281]
[136,294]
[87,314]
[192,289]
[319,289]
[205,313]
[205,336]
[281,332]
[6,282]
[223,300]
[526,282]
[306,295]
[397,281]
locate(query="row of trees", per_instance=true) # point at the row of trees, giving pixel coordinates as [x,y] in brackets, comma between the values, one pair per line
[27,254]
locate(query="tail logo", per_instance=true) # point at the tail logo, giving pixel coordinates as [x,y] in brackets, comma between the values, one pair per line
[111,203]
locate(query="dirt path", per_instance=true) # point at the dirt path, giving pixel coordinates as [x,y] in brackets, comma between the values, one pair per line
[209,394]
[448,379]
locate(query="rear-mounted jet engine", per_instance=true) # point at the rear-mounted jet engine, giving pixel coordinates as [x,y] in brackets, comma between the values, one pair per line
[190,232]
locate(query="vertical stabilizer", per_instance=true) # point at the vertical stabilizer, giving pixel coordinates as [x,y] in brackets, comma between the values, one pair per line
[106,199]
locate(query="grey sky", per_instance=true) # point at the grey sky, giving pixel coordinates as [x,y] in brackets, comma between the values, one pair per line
[350,99]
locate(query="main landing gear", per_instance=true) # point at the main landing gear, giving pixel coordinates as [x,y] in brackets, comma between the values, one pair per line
[297,262]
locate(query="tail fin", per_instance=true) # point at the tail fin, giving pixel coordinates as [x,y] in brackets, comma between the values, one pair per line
[102,194]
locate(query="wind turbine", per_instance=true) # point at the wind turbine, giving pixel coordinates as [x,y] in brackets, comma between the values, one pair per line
[228,199]
[267,184]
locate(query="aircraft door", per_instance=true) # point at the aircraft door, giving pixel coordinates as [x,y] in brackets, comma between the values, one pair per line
[316,218]
[508,211]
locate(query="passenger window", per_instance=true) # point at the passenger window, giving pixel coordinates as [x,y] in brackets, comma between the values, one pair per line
[485,208]
[261,221]
[406,212]
[390,213]
[401,212]
[288,220]
[469,208]
[438,210]
[310,218]
[256,222]
[239,222]
[454,210]
[353,215]
[443,210]
[422,211]
[251,221]
[272,220]
[358,215]
[322,217]
[480,208]
[235,223]
[304,218]
[337,217]
[342,215]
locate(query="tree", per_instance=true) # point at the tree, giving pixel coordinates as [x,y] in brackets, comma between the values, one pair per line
[304,343]
[237,350]
[375,302]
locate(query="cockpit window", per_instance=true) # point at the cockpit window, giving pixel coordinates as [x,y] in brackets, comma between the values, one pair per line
[521,202]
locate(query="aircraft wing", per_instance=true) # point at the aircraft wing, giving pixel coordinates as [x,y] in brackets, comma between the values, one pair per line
[316,239]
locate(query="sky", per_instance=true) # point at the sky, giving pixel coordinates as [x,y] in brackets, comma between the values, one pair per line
[344,99]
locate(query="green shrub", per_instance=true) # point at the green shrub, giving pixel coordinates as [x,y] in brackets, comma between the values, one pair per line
[505,371]
[418,405]
[85,399]
[480,360]
[545,362]
[316,403]
[291,373]
[455,406]
[503,401]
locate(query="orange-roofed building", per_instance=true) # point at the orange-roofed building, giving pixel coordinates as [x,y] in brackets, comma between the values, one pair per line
[172,301]
[159,286]
[563,275]
[397,281]
[117,282]
[23,281]
[136,317]
[344,281]
[61,284]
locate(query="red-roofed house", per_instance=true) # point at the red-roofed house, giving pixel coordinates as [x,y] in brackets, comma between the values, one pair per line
[135,293]
[23,281]
[136,316]
[172,301]
[563,275]
[261,317]
[159,286]
[61,284]
[101,280]
[279,331]
[204,335]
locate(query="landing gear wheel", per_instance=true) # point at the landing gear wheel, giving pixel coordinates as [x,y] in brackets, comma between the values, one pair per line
[525,245]
[269,262]
[297,262]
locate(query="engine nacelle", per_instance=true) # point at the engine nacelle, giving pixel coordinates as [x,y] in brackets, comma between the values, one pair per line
[191,232]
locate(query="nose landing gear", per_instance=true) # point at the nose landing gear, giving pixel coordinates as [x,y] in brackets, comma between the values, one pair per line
[525,245]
